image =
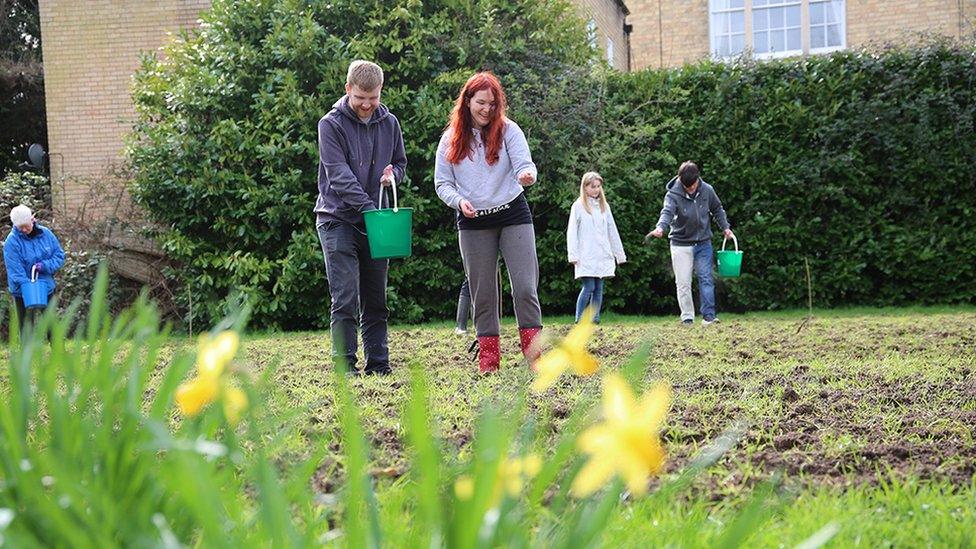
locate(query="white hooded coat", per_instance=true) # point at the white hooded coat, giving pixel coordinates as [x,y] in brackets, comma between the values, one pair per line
[592,241]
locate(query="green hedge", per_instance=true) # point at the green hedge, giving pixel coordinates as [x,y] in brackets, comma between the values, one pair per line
[859,162]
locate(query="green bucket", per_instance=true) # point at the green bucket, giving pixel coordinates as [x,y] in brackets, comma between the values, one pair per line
[389,230]
[729,262]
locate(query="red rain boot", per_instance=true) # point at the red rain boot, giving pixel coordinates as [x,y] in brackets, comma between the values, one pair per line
[526,337]
[489,356]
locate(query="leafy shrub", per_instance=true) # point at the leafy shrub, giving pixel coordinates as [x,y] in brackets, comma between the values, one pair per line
[859,161]
[76,282]
[845,160]
[21,83]
[27,188]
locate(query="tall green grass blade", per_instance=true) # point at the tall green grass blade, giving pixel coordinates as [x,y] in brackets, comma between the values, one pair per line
[274,507]
[361,519]
[426,463]
[761,505]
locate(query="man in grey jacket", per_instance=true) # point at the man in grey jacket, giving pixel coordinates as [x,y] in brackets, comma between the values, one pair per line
[687,206]
[360,150]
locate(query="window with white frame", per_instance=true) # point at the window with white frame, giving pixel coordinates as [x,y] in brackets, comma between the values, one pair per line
[827,25]
[610,51]
[728,27]
[776,28]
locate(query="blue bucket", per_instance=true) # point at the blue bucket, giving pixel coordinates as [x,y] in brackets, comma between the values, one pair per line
[35,292]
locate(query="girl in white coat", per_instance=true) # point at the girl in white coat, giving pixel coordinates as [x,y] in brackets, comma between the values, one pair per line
[593,243]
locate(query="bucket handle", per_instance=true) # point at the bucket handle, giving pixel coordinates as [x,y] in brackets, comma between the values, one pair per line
[33,273]
[395,202]
[734,241]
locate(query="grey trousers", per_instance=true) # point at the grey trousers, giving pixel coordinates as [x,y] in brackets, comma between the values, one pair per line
[479,251]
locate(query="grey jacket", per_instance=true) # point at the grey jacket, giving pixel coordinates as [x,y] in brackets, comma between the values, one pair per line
[352,155]
[485,186]
[688,215]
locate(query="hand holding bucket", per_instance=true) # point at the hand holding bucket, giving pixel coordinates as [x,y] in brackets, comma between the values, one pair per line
[729,262]
[389,231]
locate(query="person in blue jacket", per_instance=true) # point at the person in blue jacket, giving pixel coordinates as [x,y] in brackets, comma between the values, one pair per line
[29,246]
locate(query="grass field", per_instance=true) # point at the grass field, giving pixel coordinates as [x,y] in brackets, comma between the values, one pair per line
[865,418]
[850,428]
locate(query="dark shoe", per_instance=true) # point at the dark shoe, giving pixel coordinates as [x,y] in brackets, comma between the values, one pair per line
[384,370]
[687,322]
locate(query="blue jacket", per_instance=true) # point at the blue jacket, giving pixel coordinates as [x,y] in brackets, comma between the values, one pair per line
[352,155]
[21,252]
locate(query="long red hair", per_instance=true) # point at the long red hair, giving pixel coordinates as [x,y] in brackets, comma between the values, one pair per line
[460,123]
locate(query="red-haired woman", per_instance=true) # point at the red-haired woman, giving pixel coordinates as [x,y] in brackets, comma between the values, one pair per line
[483,161]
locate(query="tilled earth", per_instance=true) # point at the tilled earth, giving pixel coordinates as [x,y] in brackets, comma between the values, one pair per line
[844,400]
[835,400]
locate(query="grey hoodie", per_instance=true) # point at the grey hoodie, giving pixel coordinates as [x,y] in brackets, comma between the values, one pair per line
[352,155]
[688,215]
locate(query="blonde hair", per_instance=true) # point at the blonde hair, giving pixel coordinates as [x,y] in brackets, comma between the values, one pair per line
[365,74]
[587,178]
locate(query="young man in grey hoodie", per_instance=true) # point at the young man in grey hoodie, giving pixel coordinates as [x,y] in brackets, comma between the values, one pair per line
[360,150]
[688,203]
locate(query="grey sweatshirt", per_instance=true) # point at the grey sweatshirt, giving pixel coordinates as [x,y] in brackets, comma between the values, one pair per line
[485,186]
[352,155]
[688,215]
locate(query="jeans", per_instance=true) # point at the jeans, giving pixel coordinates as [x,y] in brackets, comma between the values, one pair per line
[592,295]
[697,258]
[357,285]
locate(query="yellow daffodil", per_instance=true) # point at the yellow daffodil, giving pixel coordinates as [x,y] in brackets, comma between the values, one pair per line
[516,471]
[235,402]
[510,477]
[626,442]
[570,353]
[216,352]
[532,464]
[213,356]
[192,396]
[464,487]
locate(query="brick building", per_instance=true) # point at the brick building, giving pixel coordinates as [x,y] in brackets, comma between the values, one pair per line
[608,30]
[91,49]
[669,33]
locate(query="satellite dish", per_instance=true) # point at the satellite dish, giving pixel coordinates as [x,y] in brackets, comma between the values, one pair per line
[36,155]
